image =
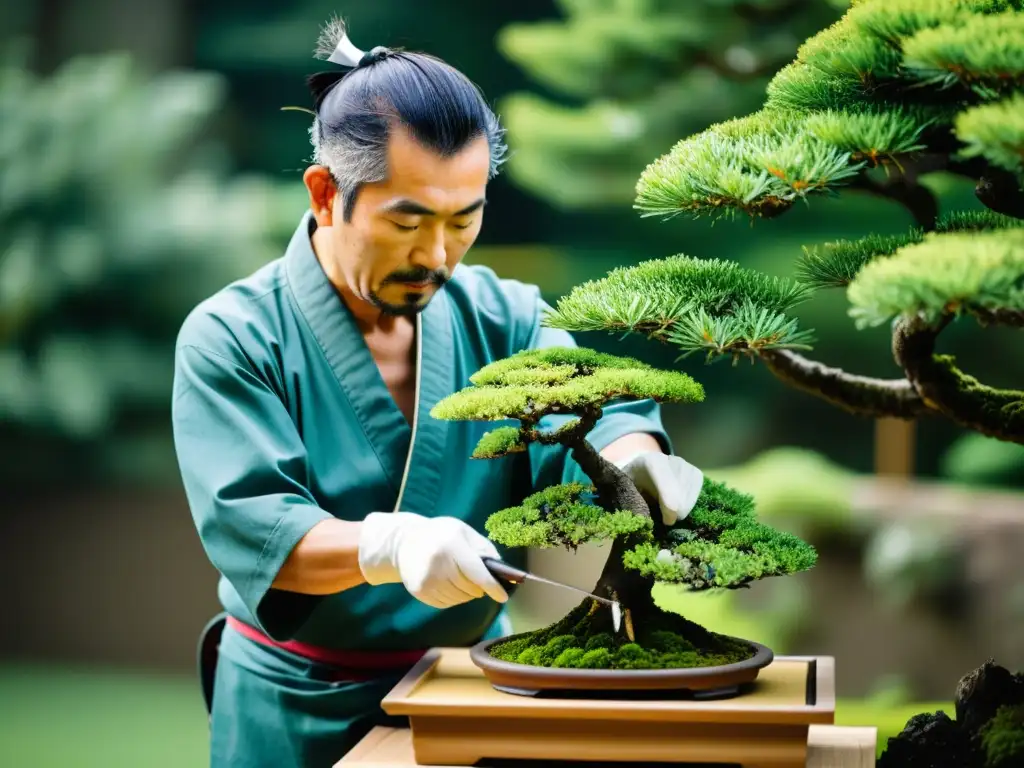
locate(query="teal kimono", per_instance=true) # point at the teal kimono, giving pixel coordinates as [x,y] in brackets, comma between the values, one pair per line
[282,419]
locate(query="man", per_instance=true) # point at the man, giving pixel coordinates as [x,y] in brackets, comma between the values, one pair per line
[344,521]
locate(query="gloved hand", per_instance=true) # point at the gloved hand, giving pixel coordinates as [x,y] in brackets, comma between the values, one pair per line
[675,483]
[436,558]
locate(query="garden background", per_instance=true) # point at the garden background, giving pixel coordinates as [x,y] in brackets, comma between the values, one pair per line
[146,160]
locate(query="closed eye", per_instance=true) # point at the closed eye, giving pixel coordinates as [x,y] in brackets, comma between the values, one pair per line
[404,227]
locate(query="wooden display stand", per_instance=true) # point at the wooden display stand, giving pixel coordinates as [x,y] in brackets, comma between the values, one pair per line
[458,719]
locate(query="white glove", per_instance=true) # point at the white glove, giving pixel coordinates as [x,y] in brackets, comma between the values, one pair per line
[436,558]
[669,479]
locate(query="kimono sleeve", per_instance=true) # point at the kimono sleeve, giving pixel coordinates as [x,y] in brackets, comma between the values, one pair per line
[552,464]
[243,466]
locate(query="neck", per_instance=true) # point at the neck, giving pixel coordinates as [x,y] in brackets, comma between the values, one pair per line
[368,316]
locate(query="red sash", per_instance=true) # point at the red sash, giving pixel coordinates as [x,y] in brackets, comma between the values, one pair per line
[347,665]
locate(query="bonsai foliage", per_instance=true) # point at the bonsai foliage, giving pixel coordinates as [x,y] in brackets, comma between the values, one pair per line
[720,544]
[563,382]
[893,91]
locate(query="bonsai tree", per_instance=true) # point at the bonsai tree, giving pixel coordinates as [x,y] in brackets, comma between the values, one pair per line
[894,90]
[720,544]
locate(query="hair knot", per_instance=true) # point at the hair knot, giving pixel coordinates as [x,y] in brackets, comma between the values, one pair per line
[372,56]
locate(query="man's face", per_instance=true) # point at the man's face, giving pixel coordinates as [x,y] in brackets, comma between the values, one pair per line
[408,233]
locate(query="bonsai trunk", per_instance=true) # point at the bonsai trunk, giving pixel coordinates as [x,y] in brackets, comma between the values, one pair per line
[616,491]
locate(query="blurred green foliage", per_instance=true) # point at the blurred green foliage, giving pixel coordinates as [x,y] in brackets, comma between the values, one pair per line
[625,79]
[117,215]
[976,459]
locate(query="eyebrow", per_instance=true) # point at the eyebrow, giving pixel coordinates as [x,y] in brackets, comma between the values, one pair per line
[413,208]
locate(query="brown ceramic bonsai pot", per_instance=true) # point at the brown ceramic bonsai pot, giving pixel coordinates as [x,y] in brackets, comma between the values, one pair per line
[700,682]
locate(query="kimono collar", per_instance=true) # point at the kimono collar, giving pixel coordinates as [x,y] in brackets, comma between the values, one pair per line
[416,482]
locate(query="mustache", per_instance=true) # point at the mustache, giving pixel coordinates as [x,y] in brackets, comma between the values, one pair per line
[418,275]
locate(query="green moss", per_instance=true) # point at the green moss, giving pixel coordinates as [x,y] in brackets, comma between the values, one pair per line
[1003,737]
[558,380]
[499,442]
[581,640]
[973,401]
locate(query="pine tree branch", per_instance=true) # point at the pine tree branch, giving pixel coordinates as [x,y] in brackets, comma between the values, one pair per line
[1000,191]
[860,395]
[917,199]
[1013,318]
[996,189]
[998,413]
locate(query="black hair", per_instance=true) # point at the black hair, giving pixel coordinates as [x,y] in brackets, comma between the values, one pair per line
[356,110]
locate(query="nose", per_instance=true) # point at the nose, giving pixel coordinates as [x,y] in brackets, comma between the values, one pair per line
[430,252]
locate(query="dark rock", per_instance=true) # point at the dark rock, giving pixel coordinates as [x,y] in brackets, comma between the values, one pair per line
[981,692]
[930,741]
[936,741]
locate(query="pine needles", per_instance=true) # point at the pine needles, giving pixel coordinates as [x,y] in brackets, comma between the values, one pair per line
[895,88]
[697,304]
[983,52]
[741,166]
[995,132]
[834,265]
[884,84]
[946,273]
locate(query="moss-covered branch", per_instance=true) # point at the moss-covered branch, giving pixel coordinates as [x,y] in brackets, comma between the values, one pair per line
[998,413]
[860,395]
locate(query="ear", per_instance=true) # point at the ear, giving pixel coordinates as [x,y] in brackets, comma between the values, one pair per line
[322,193]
